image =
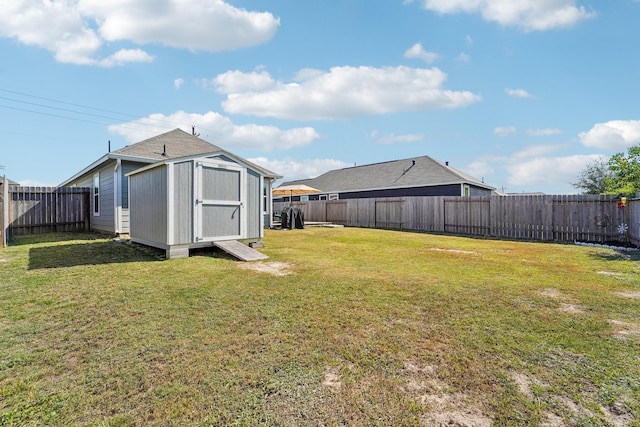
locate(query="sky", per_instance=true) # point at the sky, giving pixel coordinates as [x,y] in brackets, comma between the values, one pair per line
[520,94]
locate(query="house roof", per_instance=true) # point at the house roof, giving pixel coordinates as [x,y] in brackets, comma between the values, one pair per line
[169,145]
[9,182]
[413,172]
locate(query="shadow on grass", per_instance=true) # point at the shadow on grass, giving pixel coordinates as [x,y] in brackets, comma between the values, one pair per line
[89,253]
[32,239]
[617,256]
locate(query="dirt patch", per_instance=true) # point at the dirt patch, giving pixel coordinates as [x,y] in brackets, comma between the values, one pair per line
[609,273]
[524,384]
[550,293]
[634,295]
[456,251]
[275,268]
[618,414]
[624,329]
[331,379]
[445,408]
[571,308]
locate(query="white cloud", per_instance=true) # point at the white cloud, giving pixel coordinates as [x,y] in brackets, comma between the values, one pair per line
[124,56]
[391,138]
[546,170]
[612,135]
[417,51]
[219,130]
[504,130]
[480,169]
[341,92]
[293,170]
[530,15]
[518,93]
[177,83]
[76,31]
[237,81]
[463,57]
[468,40]
[543,132]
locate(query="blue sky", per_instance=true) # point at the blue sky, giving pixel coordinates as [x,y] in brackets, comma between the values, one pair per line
[520,94]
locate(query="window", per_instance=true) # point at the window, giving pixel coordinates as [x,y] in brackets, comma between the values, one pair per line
[96,194]
[333,197]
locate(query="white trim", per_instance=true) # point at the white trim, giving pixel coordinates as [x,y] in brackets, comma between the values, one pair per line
[117,196]
[103,160]
[96,212]
[5,211]
[199,201]
[170,204]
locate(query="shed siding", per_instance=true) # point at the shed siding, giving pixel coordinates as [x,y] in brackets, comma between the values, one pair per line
[254,204]
[126,168]
[218,184]
[183,202]
[148,209]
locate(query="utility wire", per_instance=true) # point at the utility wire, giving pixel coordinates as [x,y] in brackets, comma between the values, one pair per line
[143,126]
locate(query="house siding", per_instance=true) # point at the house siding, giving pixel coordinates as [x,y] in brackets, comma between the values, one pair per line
[105,220]
[433,190]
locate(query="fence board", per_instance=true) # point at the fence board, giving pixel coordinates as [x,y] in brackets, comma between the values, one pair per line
[563,218]
[46,209]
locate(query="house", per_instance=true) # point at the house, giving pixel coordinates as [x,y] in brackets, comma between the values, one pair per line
[417,176]
[174,152]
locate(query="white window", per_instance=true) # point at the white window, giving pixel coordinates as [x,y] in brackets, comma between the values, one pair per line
[333,197]
[96,194]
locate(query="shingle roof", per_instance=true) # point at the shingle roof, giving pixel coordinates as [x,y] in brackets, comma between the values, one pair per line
[175,143]
[413,172]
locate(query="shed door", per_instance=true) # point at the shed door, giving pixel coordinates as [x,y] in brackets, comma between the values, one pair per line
[220,200]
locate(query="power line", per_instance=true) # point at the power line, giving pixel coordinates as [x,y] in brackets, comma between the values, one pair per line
[143,126]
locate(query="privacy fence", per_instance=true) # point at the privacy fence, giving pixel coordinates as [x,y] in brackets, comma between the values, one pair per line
[565,218]
[30,210]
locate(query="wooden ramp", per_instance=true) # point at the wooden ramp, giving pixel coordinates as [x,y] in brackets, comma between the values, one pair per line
[240,250]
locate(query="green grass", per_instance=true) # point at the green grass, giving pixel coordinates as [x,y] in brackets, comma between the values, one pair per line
[370,327]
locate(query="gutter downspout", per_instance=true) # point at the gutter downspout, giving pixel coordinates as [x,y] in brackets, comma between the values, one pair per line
[117,197]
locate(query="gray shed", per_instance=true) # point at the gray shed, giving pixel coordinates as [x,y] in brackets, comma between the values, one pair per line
[192,202]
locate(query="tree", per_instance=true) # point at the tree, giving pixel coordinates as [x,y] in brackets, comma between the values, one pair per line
[595,178]
[626,172]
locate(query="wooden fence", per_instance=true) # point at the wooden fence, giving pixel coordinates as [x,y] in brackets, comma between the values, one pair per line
[32,210]
[565,218]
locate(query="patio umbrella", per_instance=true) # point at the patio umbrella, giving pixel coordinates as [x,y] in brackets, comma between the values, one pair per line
[290,190]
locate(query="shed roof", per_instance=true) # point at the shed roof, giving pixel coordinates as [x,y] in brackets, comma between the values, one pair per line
[413,172]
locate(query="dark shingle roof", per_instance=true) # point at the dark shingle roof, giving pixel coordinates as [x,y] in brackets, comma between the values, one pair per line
[175,143]
[413,172]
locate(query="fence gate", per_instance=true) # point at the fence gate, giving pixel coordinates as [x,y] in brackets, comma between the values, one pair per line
[337,212]
[467,216]
[389,214]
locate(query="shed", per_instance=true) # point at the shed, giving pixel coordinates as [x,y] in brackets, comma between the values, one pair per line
[192,202]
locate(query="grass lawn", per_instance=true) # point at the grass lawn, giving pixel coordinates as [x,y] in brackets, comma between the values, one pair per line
[338,327]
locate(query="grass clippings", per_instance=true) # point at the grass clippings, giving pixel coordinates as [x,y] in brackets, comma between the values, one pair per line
[340,327]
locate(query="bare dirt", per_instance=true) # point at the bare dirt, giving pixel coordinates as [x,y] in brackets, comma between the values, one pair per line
[275,268]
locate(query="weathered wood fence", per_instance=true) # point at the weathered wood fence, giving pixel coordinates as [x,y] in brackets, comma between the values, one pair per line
[31,210]
[564,218]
